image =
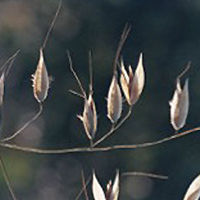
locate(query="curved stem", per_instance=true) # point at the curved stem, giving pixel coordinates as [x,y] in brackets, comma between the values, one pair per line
[114,128]
[144,174]
[6,178]
[25,125]
[52,25]
[96,149]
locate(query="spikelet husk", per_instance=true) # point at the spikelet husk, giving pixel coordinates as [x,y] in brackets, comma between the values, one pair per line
[89,117]
[179,106]
[97,190]
[193,192]
[132,84]
[114,101]
[40,80]
[113,189]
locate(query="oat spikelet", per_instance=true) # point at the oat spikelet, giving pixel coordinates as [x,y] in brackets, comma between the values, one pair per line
[112,190]
[114,101]
[40,80]
[132,84]
[97,190]
[193,192]
[89,117]
[179,105]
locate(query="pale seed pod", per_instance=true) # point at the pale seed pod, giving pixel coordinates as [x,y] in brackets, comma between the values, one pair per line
[2,79]
[132,84]
[40,80]
[89,117]
[193,192]
[179,106]
[114,101]
[97,190]
[112,191]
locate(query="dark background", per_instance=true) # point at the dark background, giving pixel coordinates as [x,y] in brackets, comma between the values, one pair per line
[167,32]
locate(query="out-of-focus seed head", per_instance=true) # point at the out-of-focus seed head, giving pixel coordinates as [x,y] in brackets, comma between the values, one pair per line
[193,192]
[89,117]
[40,80]
[97,190]
[114,101]
[112,190]
[179,105]
[132,84]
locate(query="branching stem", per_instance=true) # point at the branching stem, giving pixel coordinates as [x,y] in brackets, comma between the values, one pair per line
[25,125]
[6,178]
[97,149]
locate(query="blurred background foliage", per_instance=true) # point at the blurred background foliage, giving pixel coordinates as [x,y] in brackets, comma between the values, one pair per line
[167,32]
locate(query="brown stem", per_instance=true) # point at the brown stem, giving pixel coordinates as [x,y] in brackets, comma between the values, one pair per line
[97,149]
[6,178]
[25,125]
[114,128]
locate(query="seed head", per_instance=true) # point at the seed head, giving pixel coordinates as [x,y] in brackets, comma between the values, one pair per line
[114,101]
[132,84]
[40,80]
[179,105]
[89,117]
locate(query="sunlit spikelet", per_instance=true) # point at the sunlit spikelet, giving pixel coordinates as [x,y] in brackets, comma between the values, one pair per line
[112,191]
[89,117]
[2,79]
[193,192]
[114,101]
[132,84]
[179,106]
[97,190]
[40,80]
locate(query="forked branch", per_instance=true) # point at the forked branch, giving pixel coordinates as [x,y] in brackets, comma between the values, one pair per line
[97,149]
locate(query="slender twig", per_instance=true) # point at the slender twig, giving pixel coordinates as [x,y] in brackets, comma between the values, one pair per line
[144,174]
[123,38]
[84,186]
[75,75]
[25,125]
[76,93]
[51,25]
[97,149]
[9,61]
[6,178]
[184,71]
[83,189]
[90,73]
[114,128]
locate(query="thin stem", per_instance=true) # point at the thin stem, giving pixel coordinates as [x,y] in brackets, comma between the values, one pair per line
[97,149]
[184,71]
[52,25]
[76,93]
[90,73]
[9,60]
[144,174]
[84,185]
[123,38]
[75,75]
[25,125]
[83,189]
[6,178]
[114,128]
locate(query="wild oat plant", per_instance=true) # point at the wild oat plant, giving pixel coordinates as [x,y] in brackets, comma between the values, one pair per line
[126,87]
